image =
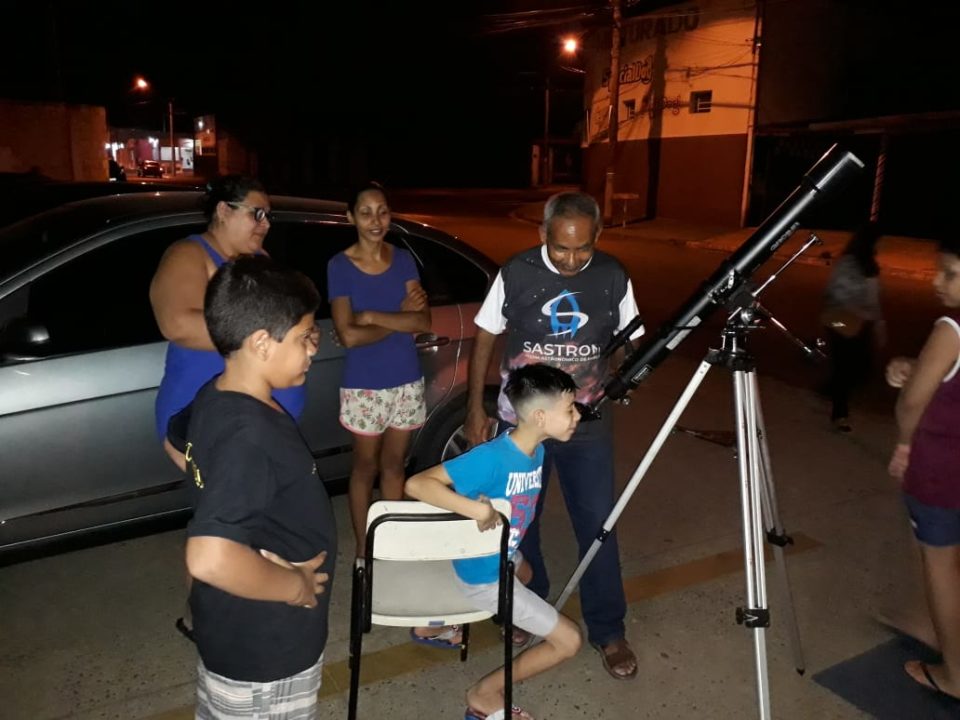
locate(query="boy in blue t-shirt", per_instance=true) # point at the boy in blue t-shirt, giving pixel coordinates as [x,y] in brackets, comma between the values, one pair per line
[509,467]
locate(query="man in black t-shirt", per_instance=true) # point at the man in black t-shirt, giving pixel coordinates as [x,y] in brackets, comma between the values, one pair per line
[559,304]
[262,542]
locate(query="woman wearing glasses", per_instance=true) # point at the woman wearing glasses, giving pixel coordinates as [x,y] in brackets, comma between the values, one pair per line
[238,219]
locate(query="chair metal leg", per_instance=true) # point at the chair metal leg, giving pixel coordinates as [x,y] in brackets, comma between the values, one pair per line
[464,641]
[356,637]
[507,605]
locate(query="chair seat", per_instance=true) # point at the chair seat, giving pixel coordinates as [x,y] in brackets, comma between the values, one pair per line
[409,594]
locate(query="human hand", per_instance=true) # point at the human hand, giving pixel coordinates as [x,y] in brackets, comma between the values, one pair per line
[898,371]
[899,461]
[312,583]
[363,318]
[490,518]
[476,427]
[415,300]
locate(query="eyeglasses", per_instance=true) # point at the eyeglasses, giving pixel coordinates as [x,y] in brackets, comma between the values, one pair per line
[259,214]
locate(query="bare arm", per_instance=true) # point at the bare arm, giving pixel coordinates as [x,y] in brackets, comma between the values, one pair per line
[434,486]
[241,571]
[350,333]
[176,295]
[937,357]
[414,315]
[476,421]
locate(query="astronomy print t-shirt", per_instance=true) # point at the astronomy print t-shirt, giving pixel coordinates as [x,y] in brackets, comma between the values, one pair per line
[497,469]
[560,321]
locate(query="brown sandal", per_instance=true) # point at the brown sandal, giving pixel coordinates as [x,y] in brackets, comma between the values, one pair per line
[520,636]
[612,660]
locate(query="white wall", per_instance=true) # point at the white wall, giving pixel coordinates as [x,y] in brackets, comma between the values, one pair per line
[668,54]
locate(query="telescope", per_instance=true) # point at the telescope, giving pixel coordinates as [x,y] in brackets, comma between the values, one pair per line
[731,278]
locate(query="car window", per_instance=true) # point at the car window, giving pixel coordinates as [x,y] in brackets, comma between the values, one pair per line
[448,277]
[308,247]
[99,300]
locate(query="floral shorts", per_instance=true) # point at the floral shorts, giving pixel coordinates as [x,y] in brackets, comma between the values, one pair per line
[371,412]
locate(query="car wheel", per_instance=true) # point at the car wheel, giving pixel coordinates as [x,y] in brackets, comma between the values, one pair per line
[443,439]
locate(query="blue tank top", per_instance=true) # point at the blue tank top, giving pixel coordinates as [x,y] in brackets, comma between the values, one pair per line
[187,370]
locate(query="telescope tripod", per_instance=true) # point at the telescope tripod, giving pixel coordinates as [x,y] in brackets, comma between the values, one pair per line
[759,514]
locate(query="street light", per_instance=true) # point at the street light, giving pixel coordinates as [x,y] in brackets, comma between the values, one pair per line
[570,45]
[140,83]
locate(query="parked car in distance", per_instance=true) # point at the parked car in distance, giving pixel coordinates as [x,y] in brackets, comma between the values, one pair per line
[81,356]
[150,168]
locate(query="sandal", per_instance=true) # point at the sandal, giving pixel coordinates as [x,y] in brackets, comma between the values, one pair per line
[520,636]
[622,654]
[515,714]
[446,640]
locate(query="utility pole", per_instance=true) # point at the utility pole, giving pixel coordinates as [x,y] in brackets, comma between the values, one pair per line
[173,150]
[613,87]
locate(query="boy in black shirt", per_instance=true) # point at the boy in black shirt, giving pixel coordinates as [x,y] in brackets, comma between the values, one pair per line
[262,542]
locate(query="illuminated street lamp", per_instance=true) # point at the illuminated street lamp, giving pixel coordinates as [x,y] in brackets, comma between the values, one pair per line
[570,45]
[140,83]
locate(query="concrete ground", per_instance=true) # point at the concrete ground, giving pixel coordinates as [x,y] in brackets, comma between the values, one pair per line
[89,634]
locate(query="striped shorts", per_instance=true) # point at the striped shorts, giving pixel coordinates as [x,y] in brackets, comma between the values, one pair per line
[292,698]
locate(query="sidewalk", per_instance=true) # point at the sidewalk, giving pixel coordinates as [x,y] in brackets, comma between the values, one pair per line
[109,650]
[897,255]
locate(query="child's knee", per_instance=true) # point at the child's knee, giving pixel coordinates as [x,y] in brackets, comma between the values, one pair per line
[566,638]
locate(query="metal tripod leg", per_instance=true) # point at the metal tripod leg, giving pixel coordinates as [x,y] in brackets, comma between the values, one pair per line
[755,615]
[635,479]
[776,535]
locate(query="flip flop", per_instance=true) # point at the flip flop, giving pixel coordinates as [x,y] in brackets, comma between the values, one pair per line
[932,683]
[520,636]
[515,714]
[443,640]
[619,656]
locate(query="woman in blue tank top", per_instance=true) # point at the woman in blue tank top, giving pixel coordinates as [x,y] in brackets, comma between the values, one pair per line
[238,215]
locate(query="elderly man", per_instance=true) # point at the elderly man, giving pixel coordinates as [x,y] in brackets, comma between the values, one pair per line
[559,304]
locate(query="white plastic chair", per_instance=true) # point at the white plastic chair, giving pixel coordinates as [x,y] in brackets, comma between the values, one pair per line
[407,579]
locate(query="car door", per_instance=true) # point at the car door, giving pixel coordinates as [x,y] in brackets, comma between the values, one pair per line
[306,243]
[77,410]
[456,286]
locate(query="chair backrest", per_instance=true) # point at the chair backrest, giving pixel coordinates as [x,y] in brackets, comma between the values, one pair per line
[416,531]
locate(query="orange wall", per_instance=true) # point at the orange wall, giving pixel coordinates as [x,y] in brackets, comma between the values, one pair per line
[64,142]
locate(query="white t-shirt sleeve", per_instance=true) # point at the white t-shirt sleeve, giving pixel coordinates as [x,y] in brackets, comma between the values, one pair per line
[490,317]
[628,311]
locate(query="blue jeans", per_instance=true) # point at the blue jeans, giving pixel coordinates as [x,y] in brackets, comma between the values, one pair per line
[585,469]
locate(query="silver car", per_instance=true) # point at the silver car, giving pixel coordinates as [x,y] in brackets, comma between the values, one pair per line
[81,356]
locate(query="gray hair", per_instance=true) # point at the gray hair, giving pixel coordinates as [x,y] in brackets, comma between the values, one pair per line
[569,205]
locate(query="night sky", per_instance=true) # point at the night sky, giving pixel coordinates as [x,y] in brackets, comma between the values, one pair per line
[419,67]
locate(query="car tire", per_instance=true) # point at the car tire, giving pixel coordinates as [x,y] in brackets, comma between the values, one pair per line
[442,438]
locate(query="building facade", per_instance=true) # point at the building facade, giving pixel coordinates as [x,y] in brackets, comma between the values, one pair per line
[688,78]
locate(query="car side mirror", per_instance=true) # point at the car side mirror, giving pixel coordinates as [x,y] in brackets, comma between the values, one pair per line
[24,339]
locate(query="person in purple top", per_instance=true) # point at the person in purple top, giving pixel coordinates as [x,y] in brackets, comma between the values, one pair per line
[238,219]
[377,302]
[238,216]
[926,460]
